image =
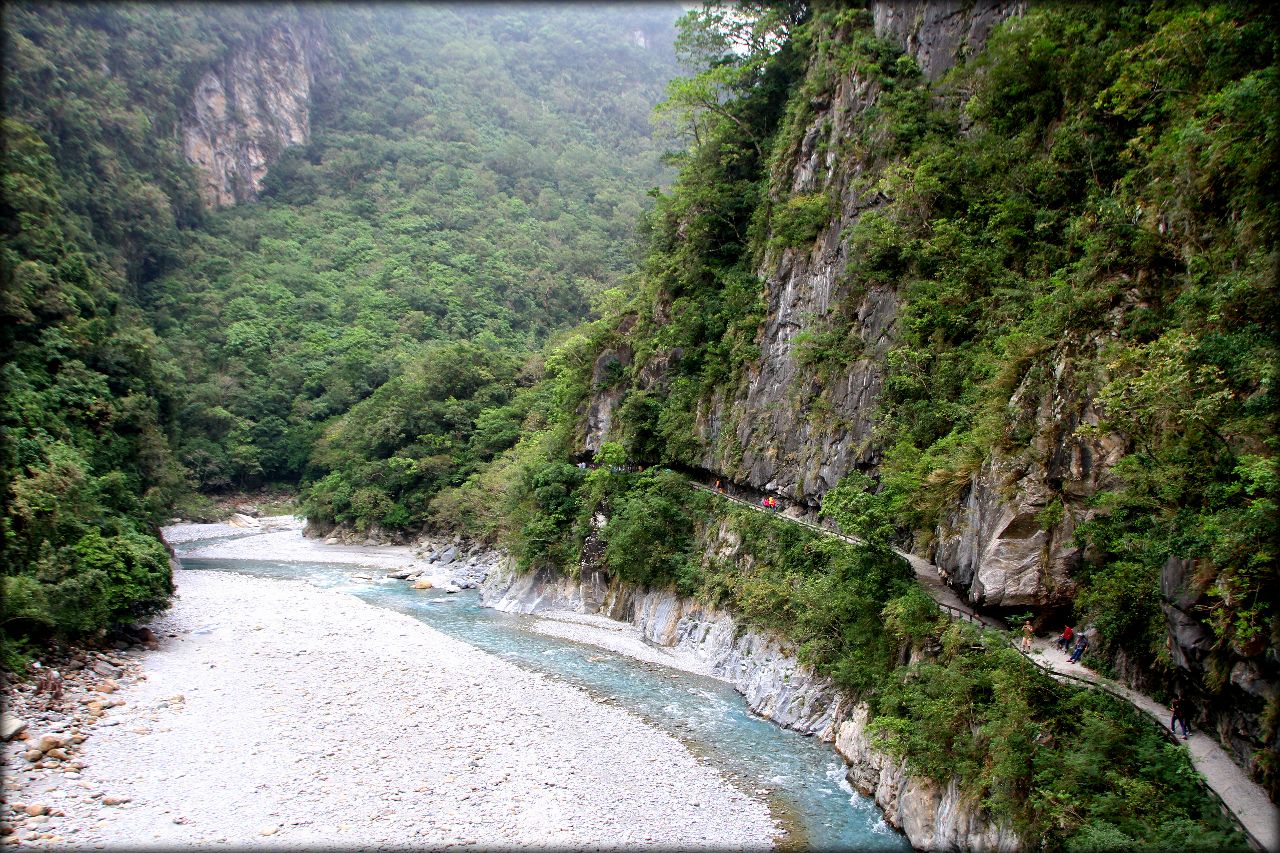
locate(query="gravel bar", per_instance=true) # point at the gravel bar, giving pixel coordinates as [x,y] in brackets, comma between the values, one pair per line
[276,714]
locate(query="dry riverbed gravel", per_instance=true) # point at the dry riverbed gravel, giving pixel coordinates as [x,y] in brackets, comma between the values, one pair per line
[275,714]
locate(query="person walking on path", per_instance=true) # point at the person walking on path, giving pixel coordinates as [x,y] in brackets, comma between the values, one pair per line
[1179,710]
[1027,633]
[1082,646]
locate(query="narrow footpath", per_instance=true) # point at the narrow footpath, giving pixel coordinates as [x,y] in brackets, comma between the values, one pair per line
[1241,796]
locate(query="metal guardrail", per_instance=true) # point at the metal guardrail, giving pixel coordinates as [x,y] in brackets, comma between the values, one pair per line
[1167,734]
[959,613]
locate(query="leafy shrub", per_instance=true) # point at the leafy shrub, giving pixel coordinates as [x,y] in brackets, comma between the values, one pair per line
[649,535]
[1075,767]
[799,219]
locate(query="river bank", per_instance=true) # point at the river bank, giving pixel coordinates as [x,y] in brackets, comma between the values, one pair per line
[275,713]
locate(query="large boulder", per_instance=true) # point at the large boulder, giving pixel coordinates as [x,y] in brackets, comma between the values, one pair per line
[10,726]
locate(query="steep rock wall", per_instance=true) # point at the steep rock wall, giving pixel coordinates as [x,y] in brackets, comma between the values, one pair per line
[932,816]
[759,665]
[1006,541]
[784,428]
[1009,541]
[250,107]
[764,669]
[938,33]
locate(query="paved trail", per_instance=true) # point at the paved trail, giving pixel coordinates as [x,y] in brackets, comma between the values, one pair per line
[1243,797]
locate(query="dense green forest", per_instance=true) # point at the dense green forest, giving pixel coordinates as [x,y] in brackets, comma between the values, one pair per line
[412,320]
[490,199]
[96,199]
[472,185]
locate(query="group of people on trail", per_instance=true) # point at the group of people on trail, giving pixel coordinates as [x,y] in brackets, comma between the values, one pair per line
[1077,643]
[1075,649]
[769,503]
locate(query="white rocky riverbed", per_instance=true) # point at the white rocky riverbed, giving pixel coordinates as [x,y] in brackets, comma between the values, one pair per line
[274,713]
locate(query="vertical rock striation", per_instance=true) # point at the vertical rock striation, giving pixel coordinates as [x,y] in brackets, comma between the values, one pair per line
[251,107]
[938,33]
[932,816]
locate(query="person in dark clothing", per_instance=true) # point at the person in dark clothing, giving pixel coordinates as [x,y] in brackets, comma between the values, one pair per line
[1082,646]
[1178,708]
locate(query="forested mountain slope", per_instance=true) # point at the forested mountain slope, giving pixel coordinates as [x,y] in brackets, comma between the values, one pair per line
[97,198]
[1008,299]
[226,226]
[476,176]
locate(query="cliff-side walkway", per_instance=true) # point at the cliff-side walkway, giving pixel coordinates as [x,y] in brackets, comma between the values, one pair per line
[1241,797]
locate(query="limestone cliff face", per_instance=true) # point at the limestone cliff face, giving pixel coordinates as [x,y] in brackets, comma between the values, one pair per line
[938,33]
[250,107]
[932,816]
[784,428]
[1008,543]
[762,667]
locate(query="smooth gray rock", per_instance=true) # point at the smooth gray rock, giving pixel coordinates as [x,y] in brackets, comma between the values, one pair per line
[937,33]
[105,669]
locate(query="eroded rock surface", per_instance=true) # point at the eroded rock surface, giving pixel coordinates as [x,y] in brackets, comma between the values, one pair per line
[249,108]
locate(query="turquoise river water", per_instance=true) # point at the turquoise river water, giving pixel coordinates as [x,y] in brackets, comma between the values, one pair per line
[803,776]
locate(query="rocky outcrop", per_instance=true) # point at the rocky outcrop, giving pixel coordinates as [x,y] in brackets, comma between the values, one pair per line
[938,33]
[785,429]
[764,669]
[602,404]
[761,666]
[932,816]
[250,107]
[1240,711]
[788,426]
[1010,541]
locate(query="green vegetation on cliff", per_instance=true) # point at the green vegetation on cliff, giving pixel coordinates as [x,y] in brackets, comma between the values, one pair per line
[1077,227]
[1074,768]
[1081,212]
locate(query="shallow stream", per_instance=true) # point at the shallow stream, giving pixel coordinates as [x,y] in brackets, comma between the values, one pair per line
[803,778]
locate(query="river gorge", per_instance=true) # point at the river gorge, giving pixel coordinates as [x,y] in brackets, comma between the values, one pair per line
[321,702]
